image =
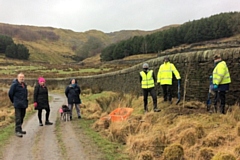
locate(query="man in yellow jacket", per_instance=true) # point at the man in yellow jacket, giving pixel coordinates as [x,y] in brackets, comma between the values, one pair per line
[147,80]
[221,80]
[165,76]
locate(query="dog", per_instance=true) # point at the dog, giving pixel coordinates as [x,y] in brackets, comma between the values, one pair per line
[65,113]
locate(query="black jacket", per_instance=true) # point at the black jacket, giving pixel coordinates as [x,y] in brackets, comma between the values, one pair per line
[41,97]
[18,94]
[73,93]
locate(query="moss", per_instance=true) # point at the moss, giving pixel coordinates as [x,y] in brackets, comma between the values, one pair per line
[205,154]
[173,152]
[223,156]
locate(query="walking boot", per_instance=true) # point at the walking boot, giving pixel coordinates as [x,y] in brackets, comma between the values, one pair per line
[157,110]
[18,134]
[23,132]
[222,109]
[48,123]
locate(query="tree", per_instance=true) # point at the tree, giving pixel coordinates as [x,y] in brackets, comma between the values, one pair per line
[4,42]
[17,51]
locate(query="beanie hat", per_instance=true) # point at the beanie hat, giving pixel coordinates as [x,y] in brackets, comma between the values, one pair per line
[41,79]
[145,65]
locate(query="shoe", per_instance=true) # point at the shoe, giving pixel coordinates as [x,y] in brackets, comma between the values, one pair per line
[18,134]
[40,124]
[157,110]
[79,117]
[23,132]
[70,118]
[48,123]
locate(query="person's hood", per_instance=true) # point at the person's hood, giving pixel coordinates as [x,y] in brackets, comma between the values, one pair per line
[15,81]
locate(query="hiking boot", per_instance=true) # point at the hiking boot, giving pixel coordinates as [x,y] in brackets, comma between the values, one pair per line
[48,123]
[79,117]
[40,124]
[18,134]
[157,110]
[23,132]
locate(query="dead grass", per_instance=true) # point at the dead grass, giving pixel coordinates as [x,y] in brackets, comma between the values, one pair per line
[187,133]
[174,133]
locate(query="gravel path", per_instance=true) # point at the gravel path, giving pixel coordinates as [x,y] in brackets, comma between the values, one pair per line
[42,143]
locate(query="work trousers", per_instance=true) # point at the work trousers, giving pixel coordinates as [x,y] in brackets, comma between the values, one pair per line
[167,92]
[220,96]
[19,116]
[145,98]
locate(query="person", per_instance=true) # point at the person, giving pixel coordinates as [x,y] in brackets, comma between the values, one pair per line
[18,95]
[147,80]
[72,93]
[165,76]
[40,98]
[221,80]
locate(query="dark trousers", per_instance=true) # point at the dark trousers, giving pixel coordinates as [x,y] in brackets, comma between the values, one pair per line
[40,114]
[19,116]
[145,98]
[167,92]
[220,96]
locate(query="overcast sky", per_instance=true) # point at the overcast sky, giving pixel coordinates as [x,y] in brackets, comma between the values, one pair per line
[110,15]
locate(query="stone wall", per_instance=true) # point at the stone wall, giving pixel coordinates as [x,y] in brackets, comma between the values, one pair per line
[195,66]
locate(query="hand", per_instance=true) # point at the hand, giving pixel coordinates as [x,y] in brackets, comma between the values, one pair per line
[210,77]
[35,104]
[215,86]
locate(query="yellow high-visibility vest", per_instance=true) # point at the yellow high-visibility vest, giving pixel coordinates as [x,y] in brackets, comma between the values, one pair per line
[165,73]
[221,74]
[147,79]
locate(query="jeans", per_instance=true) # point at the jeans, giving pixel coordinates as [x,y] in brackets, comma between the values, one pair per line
[70,106]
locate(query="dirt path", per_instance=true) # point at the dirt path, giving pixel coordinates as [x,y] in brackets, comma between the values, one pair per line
[42,143]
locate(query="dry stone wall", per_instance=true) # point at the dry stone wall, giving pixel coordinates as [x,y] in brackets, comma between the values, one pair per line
[194,68]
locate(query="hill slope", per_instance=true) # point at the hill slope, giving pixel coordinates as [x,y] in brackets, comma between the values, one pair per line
[55,45]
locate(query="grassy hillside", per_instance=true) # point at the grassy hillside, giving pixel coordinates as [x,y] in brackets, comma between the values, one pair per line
[55,45]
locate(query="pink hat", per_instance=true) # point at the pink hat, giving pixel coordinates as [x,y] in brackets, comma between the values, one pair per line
[41,79]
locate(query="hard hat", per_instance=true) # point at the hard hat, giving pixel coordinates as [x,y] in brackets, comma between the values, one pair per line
[145,65]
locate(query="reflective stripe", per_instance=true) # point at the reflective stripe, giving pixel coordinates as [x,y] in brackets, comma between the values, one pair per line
[165,73]
[221,74]
[147,79]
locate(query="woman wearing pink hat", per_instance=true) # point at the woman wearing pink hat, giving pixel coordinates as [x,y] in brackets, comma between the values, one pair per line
[41,101]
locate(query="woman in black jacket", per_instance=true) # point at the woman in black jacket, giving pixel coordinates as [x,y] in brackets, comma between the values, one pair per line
[72,93]
[41,101]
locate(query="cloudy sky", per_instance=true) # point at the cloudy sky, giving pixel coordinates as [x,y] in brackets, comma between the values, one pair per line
[110,15]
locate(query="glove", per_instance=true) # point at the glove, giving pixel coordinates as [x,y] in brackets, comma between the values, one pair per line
[215,86]
[35,104]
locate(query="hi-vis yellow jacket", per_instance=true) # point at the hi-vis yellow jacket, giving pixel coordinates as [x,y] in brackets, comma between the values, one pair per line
[221,74]
[165,73]
[147,79]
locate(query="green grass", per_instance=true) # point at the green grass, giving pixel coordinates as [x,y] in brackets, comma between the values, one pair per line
[12,70]
[111,150]
[59,139]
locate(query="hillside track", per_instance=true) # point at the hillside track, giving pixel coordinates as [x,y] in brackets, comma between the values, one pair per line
[48,142]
